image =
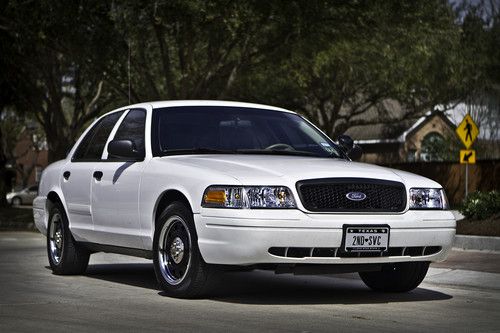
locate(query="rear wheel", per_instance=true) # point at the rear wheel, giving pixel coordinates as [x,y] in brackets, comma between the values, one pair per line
[179,267]
[66,256]
[400,277]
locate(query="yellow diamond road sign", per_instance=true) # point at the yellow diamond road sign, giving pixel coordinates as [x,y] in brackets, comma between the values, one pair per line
[467,156]
[467,131]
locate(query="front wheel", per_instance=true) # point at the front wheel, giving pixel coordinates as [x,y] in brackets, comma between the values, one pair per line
[179,267]
[400,277]
[66,256]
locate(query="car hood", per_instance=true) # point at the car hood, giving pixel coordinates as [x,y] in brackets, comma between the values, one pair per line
[282,170]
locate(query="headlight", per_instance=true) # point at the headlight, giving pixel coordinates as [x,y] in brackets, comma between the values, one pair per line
[248,197]
[428,198]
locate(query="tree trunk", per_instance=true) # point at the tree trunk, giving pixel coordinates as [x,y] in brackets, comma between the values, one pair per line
[4,181]
[57,150]
[59,137]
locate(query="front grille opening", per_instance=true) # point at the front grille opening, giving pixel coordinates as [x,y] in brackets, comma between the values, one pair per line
[414,251]
[325,252]
[334,252]
[331,195]
[396,251]
[430,250]
[299,252]
[278,251]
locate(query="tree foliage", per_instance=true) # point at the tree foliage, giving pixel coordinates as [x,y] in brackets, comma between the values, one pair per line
[60,54]
[370,52]
[330,60]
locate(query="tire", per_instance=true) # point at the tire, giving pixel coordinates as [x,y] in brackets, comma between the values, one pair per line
[179,267]
[17,201]
[66,256]
[400,277]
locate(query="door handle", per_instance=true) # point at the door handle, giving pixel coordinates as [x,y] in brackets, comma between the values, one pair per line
[66,175]
[98,175]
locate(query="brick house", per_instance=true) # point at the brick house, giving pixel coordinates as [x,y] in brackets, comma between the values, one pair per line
[407,140]
[31,158]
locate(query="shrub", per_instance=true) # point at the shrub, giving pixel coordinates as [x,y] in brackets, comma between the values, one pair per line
[481,205]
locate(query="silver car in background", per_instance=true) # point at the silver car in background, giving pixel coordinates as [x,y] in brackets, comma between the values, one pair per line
[22,197]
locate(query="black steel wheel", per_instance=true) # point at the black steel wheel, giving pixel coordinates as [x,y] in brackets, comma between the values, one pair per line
[399,277]
[65,255]
[179,267]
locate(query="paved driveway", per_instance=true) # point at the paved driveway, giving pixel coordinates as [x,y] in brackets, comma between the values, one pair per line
[119,294]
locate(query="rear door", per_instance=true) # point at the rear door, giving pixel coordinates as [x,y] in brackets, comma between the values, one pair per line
[76,179]
[115,195]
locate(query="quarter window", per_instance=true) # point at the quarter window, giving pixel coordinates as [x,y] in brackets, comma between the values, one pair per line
[92,145]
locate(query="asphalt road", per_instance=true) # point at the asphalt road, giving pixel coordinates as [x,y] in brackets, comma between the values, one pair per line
[119,294]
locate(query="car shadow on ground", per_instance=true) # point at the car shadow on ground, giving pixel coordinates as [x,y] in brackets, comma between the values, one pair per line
[263,287]
[134,274]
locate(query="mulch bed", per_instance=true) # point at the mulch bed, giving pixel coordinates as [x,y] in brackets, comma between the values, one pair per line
[12,219]
[488,227]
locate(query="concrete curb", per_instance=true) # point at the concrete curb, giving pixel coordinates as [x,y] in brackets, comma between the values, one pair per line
[480,243]
[10,226]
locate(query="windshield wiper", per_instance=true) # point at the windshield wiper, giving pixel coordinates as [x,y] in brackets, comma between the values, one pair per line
[198,150]
[204,150]
[276,152]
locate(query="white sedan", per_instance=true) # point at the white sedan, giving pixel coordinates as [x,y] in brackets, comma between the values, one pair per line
[205,186]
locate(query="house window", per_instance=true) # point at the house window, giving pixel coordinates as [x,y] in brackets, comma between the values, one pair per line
[433,148]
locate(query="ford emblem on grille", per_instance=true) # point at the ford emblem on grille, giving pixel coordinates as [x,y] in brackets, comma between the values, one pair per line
[356,196]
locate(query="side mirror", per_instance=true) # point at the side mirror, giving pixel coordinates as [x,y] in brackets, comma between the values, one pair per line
[346,142]
[355,153]
[124,149]
[352,150]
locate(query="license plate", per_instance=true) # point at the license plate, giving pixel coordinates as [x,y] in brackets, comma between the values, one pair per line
[366,238]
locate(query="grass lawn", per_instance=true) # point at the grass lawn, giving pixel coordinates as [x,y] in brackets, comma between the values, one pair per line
[16,219]
[488,227]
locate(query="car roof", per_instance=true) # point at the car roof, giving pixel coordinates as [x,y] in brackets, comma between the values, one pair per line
[163,104]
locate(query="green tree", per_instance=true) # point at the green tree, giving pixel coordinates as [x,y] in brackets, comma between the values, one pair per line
[198,49]
[332,61]
[357,54]
[6,99]
[60,55]
[480,39]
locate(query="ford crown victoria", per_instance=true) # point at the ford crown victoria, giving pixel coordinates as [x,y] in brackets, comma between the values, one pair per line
[201,187]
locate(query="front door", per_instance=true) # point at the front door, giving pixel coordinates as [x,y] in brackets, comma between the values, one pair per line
[115,188]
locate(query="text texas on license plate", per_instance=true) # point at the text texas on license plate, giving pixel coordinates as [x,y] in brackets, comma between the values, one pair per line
[366,239]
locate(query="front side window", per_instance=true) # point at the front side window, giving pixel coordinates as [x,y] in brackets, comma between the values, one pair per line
[92,145]
[236,130]
[132,128]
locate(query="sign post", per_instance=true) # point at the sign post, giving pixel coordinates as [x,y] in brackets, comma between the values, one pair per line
[467,131]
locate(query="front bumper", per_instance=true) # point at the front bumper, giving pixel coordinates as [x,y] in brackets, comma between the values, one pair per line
[244,237]
[39,214]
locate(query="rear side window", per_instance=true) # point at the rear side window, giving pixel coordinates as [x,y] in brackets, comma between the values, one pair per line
[92,145]
[132,128]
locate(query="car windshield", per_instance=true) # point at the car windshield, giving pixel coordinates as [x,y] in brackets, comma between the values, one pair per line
[236,130]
